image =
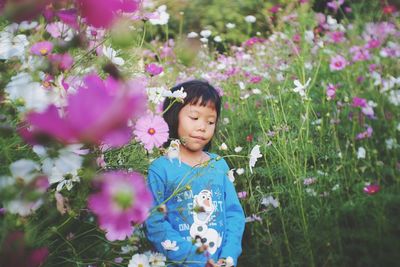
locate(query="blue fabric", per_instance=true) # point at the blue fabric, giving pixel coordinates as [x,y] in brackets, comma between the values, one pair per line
[201,207]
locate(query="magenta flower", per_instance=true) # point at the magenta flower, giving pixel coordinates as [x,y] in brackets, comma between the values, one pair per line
[152,131]
[366,134]
[359,102]
[331,91]
[123,199]
[154,69]
[69,17]
[254,40]
[101,13]
[338,63]
[373,43]
[371,189]
[255,79]
[42,48]
[97,113]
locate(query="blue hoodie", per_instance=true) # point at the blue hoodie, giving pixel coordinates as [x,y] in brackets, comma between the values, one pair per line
[201,208]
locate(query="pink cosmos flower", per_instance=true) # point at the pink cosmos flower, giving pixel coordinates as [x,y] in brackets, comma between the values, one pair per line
[97,113]
[16,252]
[371,189]
[242,194]
[62,62]
[254,40]
[154,69]
[123,199]
[296,38]
[337,36]
[331,91]
[366,134]
[42,48]
[337,63]
[373,43]
[360,53]
[152,131]
[335,4]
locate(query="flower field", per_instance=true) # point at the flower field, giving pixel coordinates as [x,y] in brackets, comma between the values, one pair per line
[310,125]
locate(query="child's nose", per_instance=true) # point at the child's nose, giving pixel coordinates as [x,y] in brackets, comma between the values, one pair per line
[202,126]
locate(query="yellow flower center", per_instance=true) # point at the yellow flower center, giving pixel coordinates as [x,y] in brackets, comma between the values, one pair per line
[151,131]
[46,84]
[43,51]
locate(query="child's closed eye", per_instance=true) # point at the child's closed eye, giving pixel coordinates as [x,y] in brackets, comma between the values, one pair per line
[194,118]
[211,123]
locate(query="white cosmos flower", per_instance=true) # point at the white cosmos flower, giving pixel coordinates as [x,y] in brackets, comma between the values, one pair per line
[266,201]
[157,259]
[229,261]
[139,260]
[111,54]
[250,19]
[22,87]
[238,149]
[12,45]
[66,164]
[169,245]
[27,25]
[24,169]
[231,176]
[300,88]
[223,147]
[361,153]
[205,33]
[192,35]
[218,39]
[173,150]
[240,171]
[156,94]
[176,94]
[394,97]
[230,25]
[254,155]
[22,207]
[162,17]
[391,143]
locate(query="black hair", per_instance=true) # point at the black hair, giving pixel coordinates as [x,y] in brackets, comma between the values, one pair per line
[196,90]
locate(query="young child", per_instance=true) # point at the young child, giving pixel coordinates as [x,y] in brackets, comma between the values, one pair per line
[198,218]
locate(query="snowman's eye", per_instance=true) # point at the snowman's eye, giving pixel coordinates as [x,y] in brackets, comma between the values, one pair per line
[204,197]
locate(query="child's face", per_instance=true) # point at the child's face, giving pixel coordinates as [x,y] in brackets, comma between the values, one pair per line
[196,125]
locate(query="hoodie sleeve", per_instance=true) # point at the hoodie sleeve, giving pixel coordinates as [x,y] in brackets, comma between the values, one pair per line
[235,222]
[160,232]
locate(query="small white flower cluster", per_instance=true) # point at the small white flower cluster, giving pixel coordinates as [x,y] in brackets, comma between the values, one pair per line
[205,34]
[157,95]
[161,17]
[147,259]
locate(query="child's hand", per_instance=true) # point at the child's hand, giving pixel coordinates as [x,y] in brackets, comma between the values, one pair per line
[221,262]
